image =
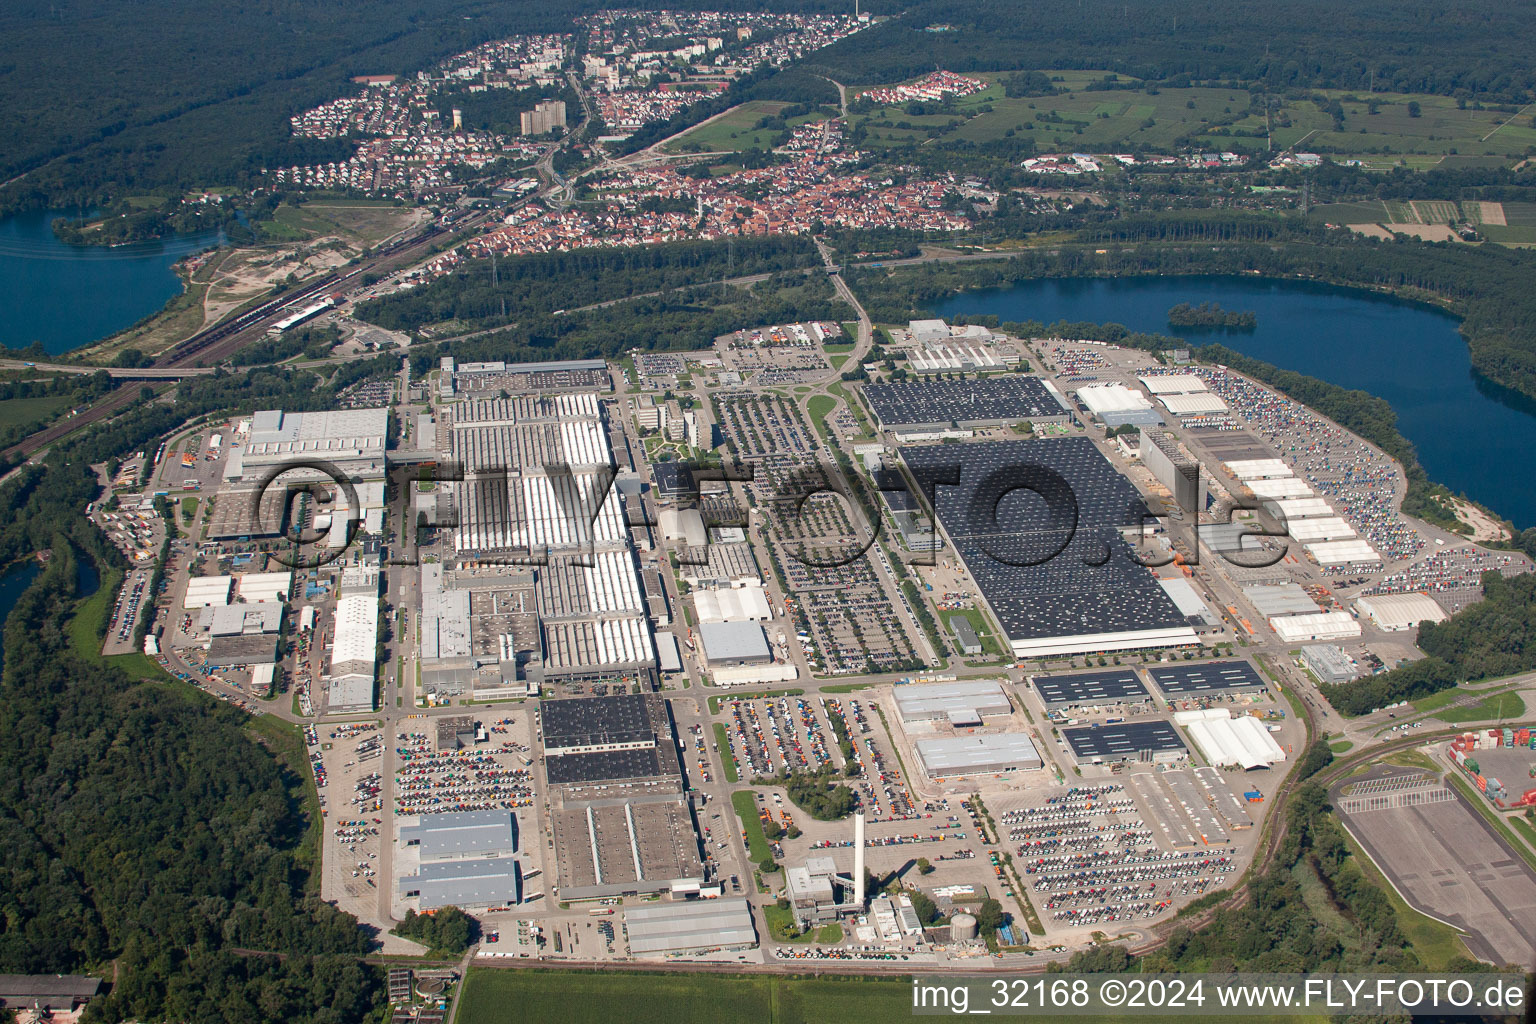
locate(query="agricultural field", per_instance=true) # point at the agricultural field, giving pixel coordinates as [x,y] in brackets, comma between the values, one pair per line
[359,222]
[493,996]
[1213,119]
[1440,130]
[1504,223]
[735,130]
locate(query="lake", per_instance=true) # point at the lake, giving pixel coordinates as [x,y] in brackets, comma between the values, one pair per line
[12,585]
[71,295]
[1472,435]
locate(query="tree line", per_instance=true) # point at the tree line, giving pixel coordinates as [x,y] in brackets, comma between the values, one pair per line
[1493,638]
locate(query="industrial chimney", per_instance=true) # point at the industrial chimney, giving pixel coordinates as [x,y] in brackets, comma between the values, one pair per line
[858,858]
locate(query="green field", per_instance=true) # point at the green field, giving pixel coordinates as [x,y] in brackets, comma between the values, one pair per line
[820,407]
[746,809]
[1502,705]
[360,222]
[735,131]
[1214,119]
[732,774]
[17,412]
[503,996]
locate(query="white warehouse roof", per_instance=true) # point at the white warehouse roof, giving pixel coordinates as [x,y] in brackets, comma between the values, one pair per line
[264,587]
[741,604]
[1225,740]
[1343,552]
[1320,626]
[1321,528]
[923,701]
[1302,508]
[1396,612]
[357,631]
[1279,487]
[1102,398]
[1173,383]
[204,591]
[1193,404]
[1258,469]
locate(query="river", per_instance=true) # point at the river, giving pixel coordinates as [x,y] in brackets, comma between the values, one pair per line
[1472,435]
[71,295]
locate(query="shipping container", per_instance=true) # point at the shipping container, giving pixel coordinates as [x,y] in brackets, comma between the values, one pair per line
[1472,765]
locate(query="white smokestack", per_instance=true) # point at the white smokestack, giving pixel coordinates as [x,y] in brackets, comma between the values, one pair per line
[858,858]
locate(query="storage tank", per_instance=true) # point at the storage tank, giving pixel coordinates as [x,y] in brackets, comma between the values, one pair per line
[962,926]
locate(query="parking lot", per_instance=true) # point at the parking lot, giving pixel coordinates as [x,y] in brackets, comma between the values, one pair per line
[347,761]
[1117,852]
[789,735]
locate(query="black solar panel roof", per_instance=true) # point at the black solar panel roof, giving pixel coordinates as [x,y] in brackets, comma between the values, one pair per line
[1209,677]
[1091,687]
[1037,523]
[1125,740]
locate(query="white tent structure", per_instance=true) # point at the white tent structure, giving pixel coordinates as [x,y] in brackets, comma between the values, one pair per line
[1224,740]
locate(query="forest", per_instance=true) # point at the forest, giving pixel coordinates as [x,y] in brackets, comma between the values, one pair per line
[479,294]
[1493,638]
[1209,314]
[148,825]
[1477,49]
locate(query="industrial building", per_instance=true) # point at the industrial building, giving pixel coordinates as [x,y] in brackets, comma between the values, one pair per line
[349,442]
[522,378]
[472,883]
[817,894]
[1200,679]
[461,835]
[354,649]
[734,643]
[739,604]
[965,702]
[1329,663]
[621,821]
[926,406]
[949,757]
[1223,740]
[1274,600]
[1189,603]
[1294,629]
[1102,688]
[1396,613]
[719,565]
[1126,741]
[1048,586]
[1343,552]
[1116,405]
[689,927]
[1174,468]
[965,635]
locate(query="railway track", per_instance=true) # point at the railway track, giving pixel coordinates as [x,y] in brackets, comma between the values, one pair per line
[213,345]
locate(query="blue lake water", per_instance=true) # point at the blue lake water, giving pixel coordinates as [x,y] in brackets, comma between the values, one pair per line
[1472,435]
[70,295]
[12,585]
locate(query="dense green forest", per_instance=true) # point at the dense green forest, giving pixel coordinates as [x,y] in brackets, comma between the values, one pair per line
[1209,314]
[94,101]
[1493,638]
[146,824]
[445,930]
[1479,49]
[479,294]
